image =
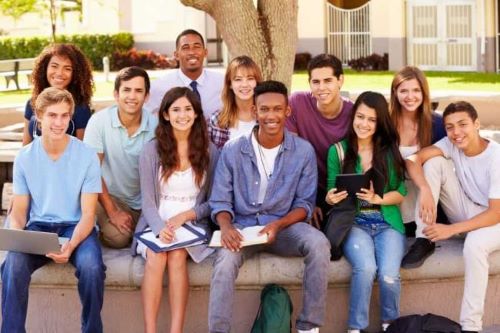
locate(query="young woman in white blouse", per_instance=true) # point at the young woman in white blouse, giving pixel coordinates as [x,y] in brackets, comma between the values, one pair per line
[175,171]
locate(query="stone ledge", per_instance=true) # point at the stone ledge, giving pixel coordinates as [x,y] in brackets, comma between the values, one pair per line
[126,272]
[435,287]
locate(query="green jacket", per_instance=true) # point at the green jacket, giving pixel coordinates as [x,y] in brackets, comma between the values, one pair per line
[391,213]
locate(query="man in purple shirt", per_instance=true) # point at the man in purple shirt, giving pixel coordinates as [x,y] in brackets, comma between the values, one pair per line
[321,116]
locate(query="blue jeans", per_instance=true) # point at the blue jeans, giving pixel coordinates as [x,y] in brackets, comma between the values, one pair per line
[297,240]
[374,249]
[16,273]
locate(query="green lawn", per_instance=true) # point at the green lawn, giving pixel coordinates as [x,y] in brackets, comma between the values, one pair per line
[453,81]
[354,81]
[103,90]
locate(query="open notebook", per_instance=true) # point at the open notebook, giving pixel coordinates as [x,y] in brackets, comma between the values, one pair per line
[185,236]
[250,237]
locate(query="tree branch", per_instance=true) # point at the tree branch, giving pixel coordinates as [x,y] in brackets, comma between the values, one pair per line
[204,5]
[266,32]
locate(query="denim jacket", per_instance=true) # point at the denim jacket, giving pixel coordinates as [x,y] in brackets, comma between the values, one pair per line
[236,182]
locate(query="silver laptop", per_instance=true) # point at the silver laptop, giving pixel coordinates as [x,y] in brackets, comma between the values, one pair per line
[27,241]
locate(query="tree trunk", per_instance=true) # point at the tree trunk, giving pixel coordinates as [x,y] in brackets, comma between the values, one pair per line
[53,19]
[266,32]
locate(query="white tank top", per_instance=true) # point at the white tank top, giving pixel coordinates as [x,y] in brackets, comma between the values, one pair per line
[177,194]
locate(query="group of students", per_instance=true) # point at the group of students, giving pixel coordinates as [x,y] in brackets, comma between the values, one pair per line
[260,157]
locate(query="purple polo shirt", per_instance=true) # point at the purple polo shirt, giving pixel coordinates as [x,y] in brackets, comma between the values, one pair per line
[306,121]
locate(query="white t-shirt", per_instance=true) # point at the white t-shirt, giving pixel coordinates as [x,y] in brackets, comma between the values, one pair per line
[210,84]
[408,150]
[243,129]
[265,163]
[479,175]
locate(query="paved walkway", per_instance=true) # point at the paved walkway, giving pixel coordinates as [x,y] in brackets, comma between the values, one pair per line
[492,329]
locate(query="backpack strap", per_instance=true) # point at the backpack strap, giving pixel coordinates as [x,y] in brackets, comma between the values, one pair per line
[340,152]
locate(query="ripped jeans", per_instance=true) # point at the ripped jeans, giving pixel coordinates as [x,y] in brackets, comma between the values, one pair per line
[374,249]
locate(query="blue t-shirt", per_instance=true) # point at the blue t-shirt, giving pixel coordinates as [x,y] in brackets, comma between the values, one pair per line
[55,186]
[79,120]
[120,165]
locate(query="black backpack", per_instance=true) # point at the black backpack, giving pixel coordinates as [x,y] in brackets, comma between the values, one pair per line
[274,315]
[429,323]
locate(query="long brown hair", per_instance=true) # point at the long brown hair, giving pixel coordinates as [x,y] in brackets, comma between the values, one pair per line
[424,111]
[82,83]
[197,141]
[229,115]
[385,139]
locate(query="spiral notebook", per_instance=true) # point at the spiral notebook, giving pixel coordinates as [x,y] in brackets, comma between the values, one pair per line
[185,236]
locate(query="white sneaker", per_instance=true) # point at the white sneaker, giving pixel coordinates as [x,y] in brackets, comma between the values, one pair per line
[353,331]
[312,330]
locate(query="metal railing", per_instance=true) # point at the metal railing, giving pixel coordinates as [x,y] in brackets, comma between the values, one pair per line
[348,32]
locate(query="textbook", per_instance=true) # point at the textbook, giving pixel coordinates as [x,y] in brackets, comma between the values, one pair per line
[185,236]
[250,237]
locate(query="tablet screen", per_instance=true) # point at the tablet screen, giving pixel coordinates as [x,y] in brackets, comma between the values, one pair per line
[352,183]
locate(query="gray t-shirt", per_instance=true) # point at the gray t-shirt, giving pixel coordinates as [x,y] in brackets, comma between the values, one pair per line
[479,175]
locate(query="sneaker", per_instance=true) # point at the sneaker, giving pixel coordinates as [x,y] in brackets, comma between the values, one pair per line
[419,251]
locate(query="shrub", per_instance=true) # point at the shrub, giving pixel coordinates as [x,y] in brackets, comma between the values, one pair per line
[95,47]
[373,62]
[301,61]
[145,59]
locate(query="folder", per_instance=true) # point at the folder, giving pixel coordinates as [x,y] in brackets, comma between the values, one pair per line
[185,236]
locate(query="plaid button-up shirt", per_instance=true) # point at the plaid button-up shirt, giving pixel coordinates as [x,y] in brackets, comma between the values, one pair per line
[219,136]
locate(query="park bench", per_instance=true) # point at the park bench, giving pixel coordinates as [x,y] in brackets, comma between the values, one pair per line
[11,69]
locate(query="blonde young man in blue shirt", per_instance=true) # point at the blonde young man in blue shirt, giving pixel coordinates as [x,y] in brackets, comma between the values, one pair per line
[56,182]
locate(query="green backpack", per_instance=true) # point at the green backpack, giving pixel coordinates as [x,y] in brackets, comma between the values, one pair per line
[274,315]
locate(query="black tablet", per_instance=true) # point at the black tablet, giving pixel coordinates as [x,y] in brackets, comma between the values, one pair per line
[352,183]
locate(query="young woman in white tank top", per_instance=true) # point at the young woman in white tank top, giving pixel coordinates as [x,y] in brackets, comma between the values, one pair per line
[412,115]
[181,172]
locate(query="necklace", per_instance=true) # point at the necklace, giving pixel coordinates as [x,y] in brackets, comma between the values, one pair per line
[263,160]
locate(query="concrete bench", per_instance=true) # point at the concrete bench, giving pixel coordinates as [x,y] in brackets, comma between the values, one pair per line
[435,287]
[12,68]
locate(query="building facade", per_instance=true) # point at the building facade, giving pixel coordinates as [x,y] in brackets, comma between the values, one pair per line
[453,35]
